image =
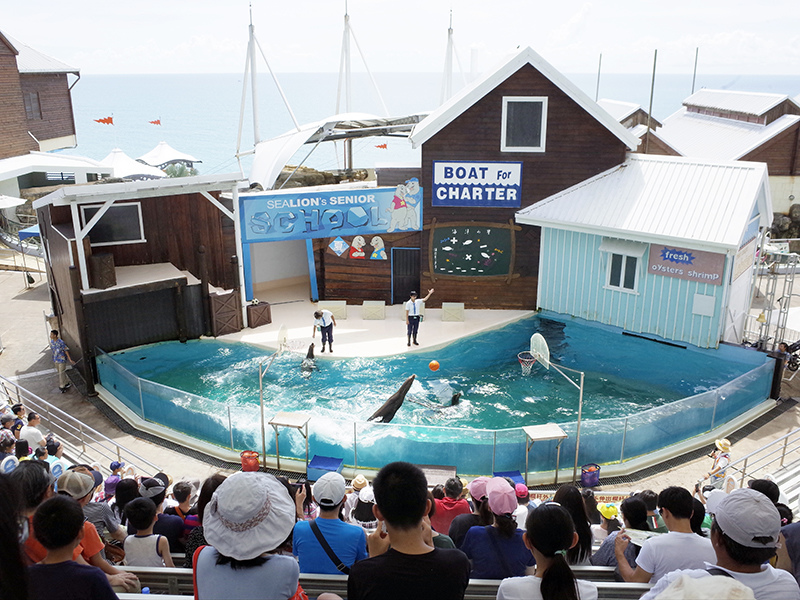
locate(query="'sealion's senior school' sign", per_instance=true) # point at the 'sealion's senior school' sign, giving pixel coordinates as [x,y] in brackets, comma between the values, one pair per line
[485,184]
[692,265]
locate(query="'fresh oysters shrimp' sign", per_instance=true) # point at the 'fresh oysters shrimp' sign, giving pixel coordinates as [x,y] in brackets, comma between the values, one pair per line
[486,184]
[692,265]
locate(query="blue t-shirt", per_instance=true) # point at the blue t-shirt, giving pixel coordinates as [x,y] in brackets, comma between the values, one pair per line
[59,349]
[68,581]
[347,541]
[482,550]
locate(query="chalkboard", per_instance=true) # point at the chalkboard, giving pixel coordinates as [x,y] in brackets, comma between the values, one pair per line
[472,250]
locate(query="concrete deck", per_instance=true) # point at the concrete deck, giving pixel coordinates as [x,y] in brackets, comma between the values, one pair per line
[26,359]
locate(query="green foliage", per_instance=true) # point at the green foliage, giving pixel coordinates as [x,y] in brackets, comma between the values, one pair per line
[180,170]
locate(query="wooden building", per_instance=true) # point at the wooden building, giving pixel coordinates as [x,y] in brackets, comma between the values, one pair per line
[140,262]
[35,101]
[658,246]
[531,133]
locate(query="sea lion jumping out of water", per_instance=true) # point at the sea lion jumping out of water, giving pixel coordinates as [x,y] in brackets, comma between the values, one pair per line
[309,362]
[386,412]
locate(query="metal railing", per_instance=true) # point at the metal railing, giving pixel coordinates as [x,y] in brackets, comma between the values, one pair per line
[767,459]
[88,444]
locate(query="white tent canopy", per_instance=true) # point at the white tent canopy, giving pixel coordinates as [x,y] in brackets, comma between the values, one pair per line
[164,154]
[10,201]
[124,166]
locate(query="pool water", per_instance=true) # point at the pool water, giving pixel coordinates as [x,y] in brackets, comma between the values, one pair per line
[624,375]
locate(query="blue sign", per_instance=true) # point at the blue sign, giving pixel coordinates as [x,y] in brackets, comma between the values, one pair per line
[486,184]
[320,214]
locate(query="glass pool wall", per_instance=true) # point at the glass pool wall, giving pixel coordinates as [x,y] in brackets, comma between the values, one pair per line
[472,451]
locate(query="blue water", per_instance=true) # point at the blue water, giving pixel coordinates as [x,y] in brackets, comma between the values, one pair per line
[624,375]
[200,113]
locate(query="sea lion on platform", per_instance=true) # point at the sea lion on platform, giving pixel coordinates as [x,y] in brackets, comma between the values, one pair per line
[309,362]
[386,412]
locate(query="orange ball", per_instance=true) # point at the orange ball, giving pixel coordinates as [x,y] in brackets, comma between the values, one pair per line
[433,365]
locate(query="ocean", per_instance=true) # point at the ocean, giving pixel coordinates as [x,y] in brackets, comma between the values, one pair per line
[199,114]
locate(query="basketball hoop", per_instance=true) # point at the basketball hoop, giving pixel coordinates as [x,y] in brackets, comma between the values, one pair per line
[526,361]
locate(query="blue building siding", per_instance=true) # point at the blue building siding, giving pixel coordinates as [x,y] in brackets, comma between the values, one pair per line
[572,280]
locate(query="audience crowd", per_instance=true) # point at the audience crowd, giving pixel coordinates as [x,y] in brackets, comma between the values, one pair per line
[251,534]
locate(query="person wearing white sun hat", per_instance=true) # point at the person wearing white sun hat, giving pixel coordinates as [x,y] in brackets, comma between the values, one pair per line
[248,518]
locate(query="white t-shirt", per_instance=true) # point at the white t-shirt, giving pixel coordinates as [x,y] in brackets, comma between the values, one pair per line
[414,307]
[672,551]
[325,320]
[722,460]
[33,435]
[529,588]
[768,584]
[598,533]
[521,515]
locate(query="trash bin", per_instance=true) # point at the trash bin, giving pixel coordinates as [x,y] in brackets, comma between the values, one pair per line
[590,475]
[249,460]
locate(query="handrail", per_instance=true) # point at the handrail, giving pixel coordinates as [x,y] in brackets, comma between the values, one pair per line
[764,458]
[89,443]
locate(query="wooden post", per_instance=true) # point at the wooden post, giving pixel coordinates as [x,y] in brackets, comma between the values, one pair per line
[202,263]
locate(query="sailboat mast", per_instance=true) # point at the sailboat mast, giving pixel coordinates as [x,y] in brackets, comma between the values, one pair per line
[447,81]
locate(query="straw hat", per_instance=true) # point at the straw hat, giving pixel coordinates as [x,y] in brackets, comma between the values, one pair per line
[359,482]
[723,445]
[249,514]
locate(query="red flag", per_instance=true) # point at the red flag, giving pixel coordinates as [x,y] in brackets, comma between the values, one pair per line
[156,122]
[381,146]
[105,120]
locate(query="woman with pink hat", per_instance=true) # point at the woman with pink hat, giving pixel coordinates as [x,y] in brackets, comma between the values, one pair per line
[497,551]
[250,516]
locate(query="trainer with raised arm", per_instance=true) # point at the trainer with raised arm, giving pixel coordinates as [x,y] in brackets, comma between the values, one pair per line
[413,314]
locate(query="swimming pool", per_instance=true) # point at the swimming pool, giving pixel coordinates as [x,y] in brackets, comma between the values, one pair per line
[627,378]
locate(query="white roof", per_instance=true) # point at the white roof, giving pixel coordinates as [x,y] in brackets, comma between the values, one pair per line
[471,94]
[131,190]
[43,162]
[750,103]
[618,109]
[662,199]
[164,154]
[33,61]
[10,201]
[124,166]
[716,138]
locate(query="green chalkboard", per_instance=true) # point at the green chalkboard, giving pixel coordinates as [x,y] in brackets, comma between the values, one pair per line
[472,250]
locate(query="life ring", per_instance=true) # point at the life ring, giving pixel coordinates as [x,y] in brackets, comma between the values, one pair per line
[129,472]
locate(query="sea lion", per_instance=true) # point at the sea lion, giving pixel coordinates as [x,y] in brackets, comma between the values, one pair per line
[386,412]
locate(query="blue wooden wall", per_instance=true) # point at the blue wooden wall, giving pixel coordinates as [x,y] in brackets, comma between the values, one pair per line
[572,276]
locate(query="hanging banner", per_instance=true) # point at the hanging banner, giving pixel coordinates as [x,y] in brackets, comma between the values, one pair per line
[692,265]
[323,214]
[486,184]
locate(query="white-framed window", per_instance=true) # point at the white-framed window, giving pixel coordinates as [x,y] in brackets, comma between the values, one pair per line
[623,272]
[121,224]
[524,124]
[624,258]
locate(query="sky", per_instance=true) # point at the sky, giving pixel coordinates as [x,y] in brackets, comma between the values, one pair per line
[210,36]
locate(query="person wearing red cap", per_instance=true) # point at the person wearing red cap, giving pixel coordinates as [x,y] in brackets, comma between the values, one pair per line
[524,504]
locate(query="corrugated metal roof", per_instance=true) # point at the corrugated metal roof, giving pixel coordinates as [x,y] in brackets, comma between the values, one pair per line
[715,138]
[471,94]
[750,103]
[618,109]
[33,61]
[664,199]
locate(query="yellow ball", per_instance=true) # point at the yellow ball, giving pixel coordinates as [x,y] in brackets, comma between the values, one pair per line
[433,365]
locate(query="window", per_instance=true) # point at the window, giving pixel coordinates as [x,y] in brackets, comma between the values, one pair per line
[524,125]
[623,263]
[33,109]
[121,224]
[622,272]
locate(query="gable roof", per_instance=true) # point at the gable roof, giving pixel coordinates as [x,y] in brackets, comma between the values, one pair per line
[32,61]
[715,138]
[471,94]
[748,103]
[662,199]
